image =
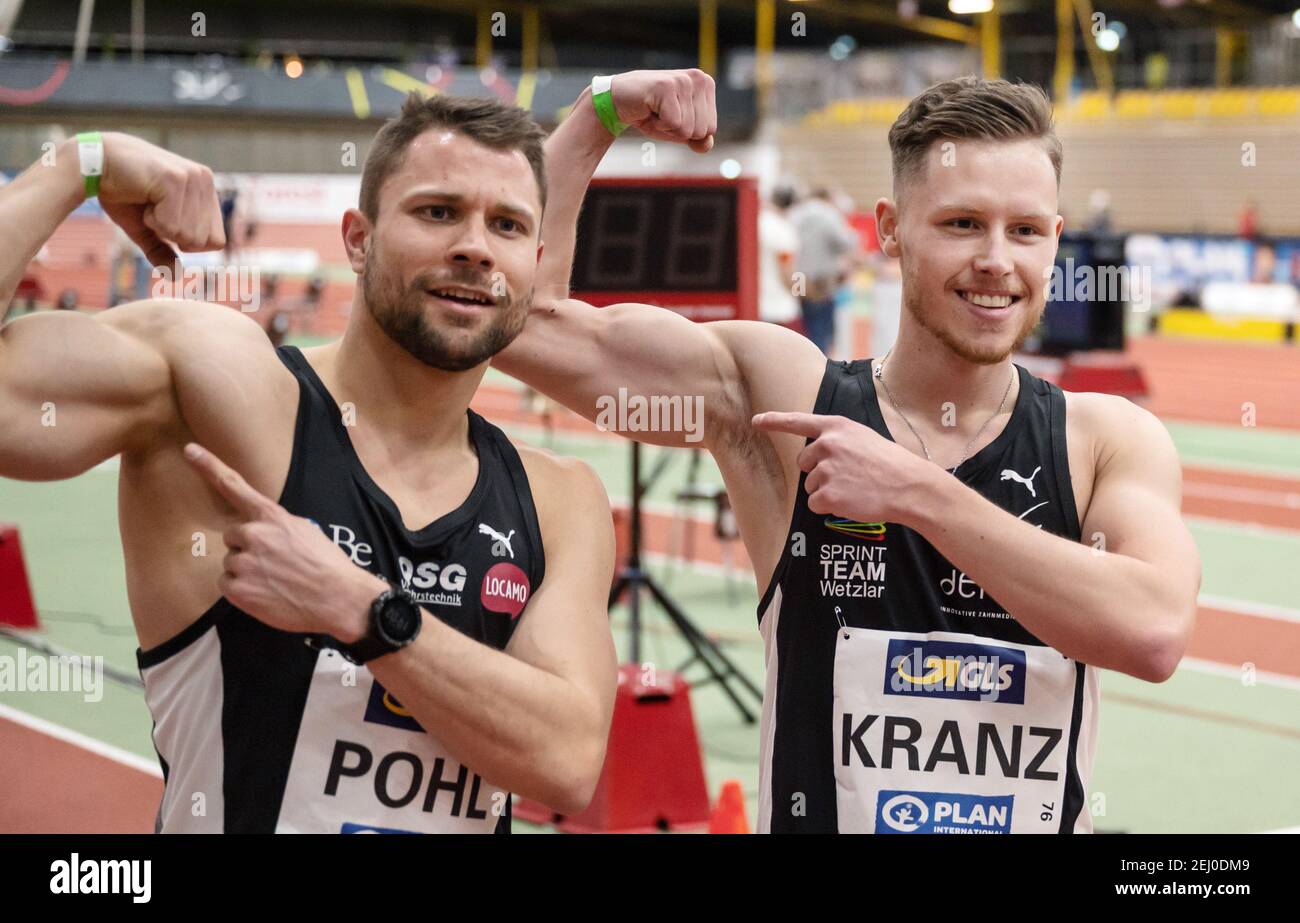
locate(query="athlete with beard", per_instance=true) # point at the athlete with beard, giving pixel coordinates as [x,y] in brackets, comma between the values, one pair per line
[947,548]
[416,625]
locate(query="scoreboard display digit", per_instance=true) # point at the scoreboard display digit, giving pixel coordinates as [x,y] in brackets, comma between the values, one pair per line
[689,244]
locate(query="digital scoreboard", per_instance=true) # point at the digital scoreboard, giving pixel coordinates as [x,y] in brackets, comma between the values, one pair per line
[689,244]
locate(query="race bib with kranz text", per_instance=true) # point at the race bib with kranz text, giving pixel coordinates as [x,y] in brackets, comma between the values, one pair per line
[949,733]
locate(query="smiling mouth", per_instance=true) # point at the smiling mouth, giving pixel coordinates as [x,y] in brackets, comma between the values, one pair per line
[988,300]
[463,296]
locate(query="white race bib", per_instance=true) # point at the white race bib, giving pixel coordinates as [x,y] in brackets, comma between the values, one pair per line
[950,733]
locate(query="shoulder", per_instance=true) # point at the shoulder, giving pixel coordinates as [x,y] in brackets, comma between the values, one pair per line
[182,329]
[1117,429]
[563,488]
[781,369]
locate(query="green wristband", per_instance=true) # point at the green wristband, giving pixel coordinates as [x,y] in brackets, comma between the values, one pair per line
[90,153]
[603,100]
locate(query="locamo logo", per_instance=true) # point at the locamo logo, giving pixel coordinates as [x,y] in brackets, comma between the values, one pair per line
[955,670]
[383,708]
[505,589]
[103,876]
[942,812]
[868,531]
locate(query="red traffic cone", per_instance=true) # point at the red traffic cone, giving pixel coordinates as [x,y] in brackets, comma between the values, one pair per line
[729,813]
[16,608]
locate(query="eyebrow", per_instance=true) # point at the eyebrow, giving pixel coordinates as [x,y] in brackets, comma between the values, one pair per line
[960,207]
[521,212]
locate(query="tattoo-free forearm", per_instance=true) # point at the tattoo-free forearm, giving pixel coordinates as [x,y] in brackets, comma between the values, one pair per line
[522,728]
[1102,608]
[573,152]
[31,208]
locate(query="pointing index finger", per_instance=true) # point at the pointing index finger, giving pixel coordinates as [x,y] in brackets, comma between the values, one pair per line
[226,481]
[809,425]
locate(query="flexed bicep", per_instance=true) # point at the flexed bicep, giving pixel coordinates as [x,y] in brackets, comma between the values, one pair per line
[639,370]
[76,390]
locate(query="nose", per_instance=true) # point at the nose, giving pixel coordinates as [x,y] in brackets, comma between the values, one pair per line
[995,258]
[470,248]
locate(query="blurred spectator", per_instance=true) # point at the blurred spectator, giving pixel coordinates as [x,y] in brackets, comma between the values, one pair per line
[863,225]
[129,270]
[1248,221]
[228,198]
[778,249]
[1264,268]
[30,291]
[886,305]
[825,239]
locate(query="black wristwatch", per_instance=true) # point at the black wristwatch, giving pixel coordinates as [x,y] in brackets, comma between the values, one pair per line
[395,619]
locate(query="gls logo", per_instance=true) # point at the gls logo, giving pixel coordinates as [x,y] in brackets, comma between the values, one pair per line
[955,670]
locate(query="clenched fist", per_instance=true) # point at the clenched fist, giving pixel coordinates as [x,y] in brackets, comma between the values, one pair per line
[157,196]
[668,105]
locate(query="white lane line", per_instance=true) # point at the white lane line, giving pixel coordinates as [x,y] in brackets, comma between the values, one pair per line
[1230,671]
[1257,496]
[77,739]
[1262,610]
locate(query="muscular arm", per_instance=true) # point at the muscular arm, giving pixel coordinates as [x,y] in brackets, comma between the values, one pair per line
[75,390]
[535,718]
[581,355]
[1125,600]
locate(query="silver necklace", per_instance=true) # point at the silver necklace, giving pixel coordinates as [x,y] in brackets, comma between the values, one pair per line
[880,377]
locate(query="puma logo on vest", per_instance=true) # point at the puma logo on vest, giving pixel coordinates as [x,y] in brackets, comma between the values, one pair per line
[500,543]
[1009,475]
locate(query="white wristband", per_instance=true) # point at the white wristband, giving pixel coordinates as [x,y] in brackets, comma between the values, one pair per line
[91,155]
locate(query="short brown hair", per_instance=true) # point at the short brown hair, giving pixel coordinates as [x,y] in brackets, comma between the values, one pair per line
[488,121]
[971,109]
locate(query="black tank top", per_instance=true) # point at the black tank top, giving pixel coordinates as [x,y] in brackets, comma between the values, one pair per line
[900,696]
[257,732]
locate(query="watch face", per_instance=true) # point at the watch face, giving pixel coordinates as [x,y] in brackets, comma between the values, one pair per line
[399,619]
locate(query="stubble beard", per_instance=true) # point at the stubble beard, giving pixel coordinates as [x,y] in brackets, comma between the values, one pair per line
[401,314]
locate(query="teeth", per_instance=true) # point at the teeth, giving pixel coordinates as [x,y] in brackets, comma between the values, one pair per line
[988,301]
[460,293]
